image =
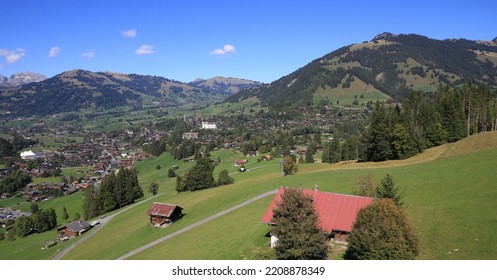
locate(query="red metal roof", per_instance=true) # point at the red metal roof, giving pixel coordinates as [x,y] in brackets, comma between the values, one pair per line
[336,211]
[161,209]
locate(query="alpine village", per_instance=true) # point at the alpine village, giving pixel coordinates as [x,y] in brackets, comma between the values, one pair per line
[384,149]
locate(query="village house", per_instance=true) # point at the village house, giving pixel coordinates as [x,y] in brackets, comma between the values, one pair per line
[73,229]
[240,162]
[190,135]
[251,153]
[8,214]
[337,212]
[266,157]
[164,213]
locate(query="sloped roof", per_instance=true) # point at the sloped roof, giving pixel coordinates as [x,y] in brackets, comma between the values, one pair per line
[161,209]
[78,226]
[335,211]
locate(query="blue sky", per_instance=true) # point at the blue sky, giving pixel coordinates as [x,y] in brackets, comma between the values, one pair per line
[184,40]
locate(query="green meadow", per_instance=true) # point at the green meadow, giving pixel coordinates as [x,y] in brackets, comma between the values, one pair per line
[449,193]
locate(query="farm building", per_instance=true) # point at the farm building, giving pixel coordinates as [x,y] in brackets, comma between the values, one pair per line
[337,212]
[164,213]
[73,229]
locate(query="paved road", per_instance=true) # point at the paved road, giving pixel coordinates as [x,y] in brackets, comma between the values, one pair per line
[185,229]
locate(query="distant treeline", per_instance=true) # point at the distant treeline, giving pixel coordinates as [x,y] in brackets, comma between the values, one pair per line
[428,120]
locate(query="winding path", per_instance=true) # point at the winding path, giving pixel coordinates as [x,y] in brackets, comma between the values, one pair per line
[194,225]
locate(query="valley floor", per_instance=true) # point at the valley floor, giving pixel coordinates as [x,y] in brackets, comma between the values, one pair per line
[449,192]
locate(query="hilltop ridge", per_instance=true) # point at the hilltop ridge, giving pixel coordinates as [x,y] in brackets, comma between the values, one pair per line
[389,64]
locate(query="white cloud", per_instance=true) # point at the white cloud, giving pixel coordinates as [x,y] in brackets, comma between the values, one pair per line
[12,56]
[129,33]
[226,50]
[54,52]
[145,49]
[90,54]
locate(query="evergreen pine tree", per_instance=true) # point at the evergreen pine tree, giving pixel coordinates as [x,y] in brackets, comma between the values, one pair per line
[387,189]
[379,133]
[171,173]
[309,157]
[335,151]
[326,157]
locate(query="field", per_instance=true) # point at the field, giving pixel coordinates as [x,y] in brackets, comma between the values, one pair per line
[349,95]
[449,193]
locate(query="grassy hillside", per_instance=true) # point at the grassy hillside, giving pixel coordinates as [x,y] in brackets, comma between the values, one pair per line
[447,199]
[449,192]
[389,64]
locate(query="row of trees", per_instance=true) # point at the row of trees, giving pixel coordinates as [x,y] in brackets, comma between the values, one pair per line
[428,120]
[335,151]
[114,192]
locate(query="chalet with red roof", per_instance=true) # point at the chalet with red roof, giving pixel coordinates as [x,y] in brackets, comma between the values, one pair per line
[164,213]
[337,212]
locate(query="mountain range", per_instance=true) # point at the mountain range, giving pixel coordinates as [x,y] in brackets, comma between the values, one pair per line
[389,64]
[226,86]
[19,79]
[79,90]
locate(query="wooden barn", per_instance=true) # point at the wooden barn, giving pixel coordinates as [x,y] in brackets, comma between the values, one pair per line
[73,229]
[337,212]
[164,213]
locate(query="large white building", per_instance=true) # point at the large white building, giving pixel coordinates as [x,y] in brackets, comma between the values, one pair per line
[28,155]
[209,125]
[32,155]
